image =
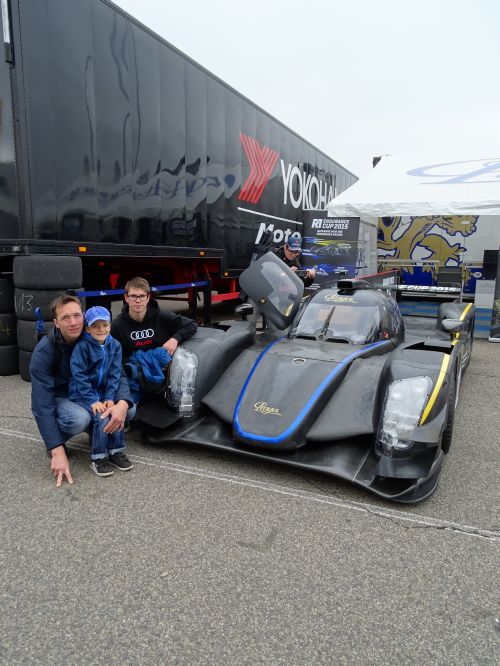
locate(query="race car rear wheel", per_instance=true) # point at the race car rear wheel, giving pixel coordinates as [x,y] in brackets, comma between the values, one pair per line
[448,431]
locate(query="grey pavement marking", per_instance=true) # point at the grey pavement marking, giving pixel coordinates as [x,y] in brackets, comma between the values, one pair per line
[391,514]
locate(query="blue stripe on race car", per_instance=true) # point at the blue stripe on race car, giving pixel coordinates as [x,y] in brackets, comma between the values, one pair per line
[259,359]
[307,407]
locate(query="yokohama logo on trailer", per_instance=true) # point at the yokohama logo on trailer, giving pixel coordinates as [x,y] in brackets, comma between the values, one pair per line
[302,190]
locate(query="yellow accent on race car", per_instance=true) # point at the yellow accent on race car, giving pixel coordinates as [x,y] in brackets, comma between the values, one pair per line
[461,318]
[437,388]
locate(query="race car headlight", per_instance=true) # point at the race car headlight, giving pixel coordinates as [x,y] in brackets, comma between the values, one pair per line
[403,405]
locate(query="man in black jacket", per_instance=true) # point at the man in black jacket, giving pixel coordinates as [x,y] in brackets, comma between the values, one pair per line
[142,325]
[289,253]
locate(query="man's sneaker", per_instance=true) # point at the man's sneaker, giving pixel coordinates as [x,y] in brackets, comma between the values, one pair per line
[101,467]
[121,461]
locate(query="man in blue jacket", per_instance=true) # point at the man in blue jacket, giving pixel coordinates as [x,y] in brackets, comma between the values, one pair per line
[57,417]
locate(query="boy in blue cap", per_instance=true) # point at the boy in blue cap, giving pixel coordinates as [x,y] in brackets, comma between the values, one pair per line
[96,364]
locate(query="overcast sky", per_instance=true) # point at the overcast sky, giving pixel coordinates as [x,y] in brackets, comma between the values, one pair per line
[357,78]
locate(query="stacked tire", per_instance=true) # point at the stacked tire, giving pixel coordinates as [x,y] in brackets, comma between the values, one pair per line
[8,336]
[37,281]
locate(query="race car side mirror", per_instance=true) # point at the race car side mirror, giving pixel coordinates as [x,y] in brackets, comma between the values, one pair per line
[452,325]
[244,310]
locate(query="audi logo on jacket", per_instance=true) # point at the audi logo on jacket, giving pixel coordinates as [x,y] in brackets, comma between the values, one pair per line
[142,335]
[157,327]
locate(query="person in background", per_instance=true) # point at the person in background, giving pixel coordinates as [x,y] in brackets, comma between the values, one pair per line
[58,418]
[289,253]
[96,367]
[142,326]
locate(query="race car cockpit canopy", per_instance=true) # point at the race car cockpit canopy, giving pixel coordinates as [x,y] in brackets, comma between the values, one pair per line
[274,288]
[353,317]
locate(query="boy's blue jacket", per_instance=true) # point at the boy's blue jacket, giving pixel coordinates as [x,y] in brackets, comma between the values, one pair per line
[145,371]
[95,370]
[50,375]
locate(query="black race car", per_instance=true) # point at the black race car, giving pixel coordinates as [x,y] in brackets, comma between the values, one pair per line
[342,385]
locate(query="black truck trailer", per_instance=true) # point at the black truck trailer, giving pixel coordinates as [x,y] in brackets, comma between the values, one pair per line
[119,155]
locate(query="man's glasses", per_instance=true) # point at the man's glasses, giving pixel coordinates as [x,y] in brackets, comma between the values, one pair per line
[140,298]
[66,318]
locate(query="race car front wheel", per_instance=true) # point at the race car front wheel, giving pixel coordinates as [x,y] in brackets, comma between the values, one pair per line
[448,431]
[468,353]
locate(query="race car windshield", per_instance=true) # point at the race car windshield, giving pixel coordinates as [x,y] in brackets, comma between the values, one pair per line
[358,324]
[283,291]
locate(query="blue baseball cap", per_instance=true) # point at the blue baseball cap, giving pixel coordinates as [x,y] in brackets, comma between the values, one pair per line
[97,313]
[294,242]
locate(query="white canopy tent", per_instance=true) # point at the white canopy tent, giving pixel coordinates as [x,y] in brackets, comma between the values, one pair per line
[451,184]
[439,186]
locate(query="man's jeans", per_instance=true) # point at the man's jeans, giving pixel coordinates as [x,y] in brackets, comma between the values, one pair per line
[74,419]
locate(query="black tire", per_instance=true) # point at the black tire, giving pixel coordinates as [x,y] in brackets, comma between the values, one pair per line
[6,295]
[8,329]
[450,419]
[24,365]
[48,272]
[9,362]
[27,300]
[27,336]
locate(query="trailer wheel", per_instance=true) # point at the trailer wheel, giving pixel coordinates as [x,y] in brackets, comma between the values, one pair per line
[24,365]
[6,295]
[47,272]
[9,362]
[27,336]
[26,300]
[8,329]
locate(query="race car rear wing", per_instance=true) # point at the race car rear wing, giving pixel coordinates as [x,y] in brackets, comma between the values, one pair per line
[427,292]
[389,280]
[427,289]
[385,280]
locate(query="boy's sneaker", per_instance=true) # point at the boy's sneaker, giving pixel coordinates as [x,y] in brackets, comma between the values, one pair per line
[101,467]
[121,461]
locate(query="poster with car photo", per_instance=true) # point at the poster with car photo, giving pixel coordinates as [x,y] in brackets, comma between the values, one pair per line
[495,315]
[330,245]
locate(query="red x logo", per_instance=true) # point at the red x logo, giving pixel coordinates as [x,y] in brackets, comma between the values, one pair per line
[262,160]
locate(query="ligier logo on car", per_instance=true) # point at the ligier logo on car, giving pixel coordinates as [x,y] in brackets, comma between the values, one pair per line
[339,299]
[263,408]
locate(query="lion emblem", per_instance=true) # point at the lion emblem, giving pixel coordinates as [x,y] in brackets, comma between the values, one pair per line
[400,238]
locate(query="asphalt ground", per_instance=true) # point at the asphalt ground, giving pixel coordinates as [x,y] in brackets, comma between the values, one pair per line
[199,557]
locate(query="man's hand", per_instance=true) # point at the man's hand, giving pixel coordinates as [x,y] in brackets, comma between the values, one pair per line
[98,407]
[294,268]
[59,465]
[171,345]
[117,415]
[311,273]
